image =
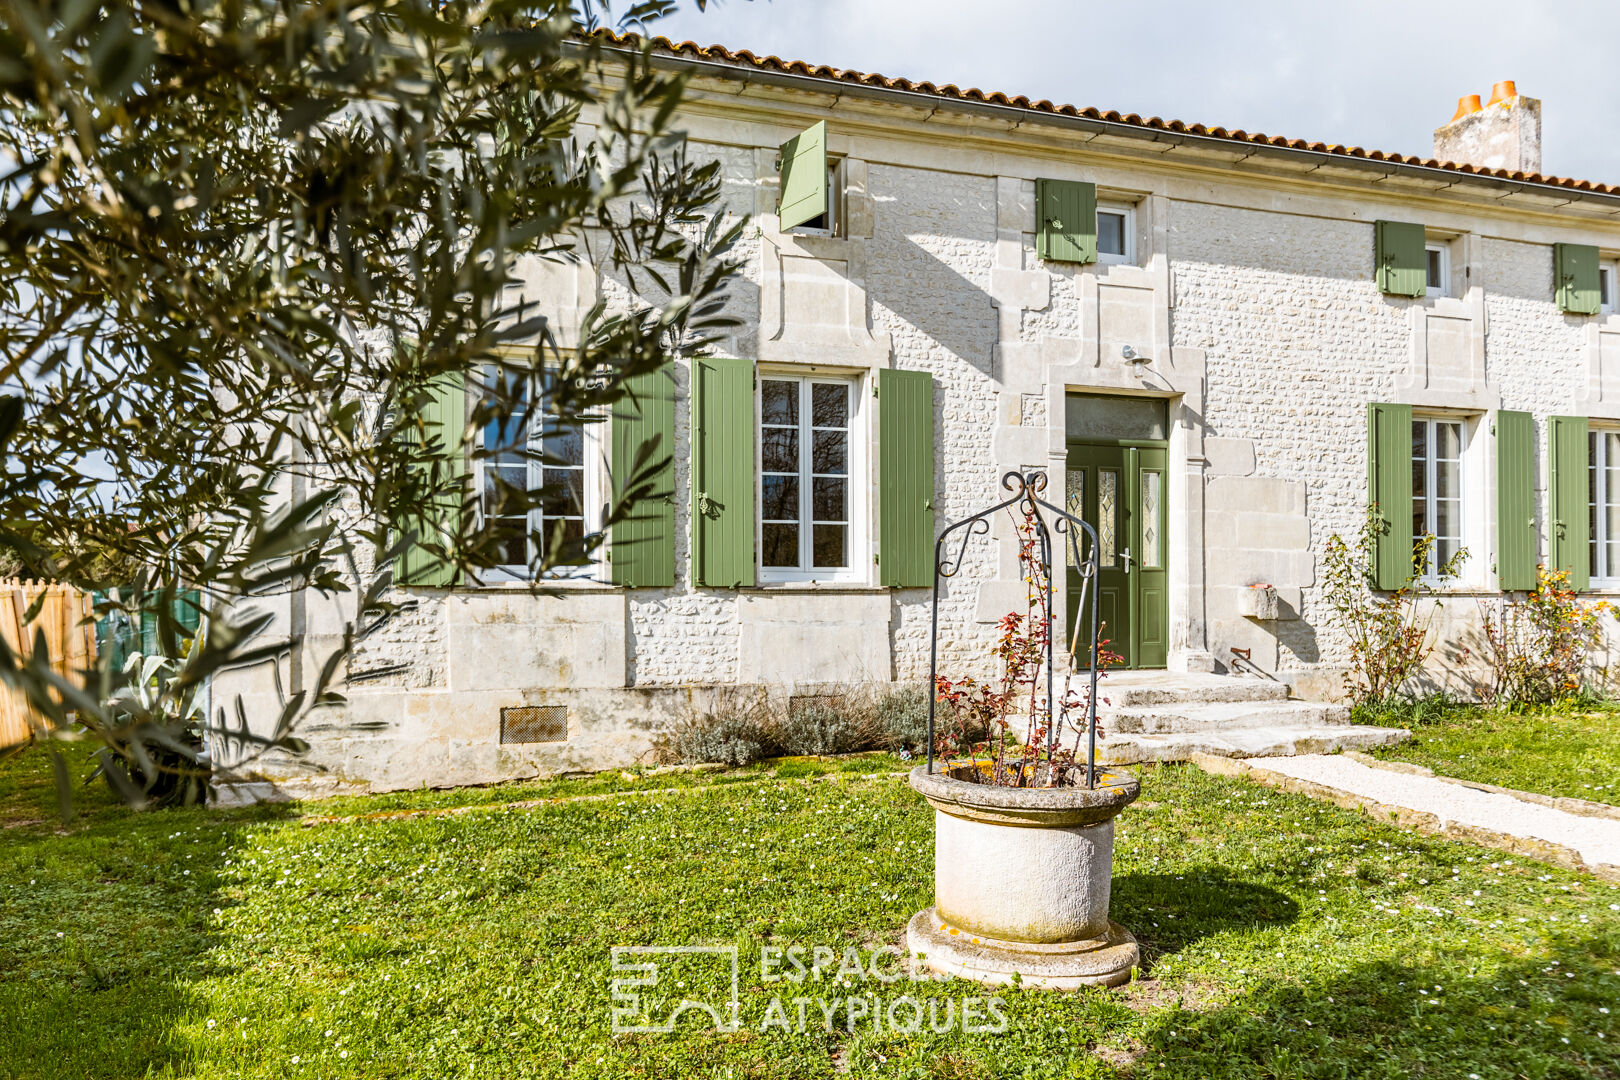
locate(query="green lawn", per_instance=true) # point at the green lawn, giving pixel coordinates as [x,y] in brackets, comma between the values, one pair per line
[1284,938]
[1567,752]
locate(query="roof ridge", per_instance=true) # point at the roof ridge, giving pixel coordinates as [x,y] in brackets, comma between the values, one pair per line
[951,91]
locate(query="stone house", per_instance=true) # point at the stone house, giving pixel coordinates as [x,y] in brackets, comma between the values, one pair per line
[1218,345]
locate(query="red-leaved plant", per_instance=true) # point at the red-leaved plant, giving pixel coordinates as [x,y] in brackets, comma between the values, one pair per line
[1046,751]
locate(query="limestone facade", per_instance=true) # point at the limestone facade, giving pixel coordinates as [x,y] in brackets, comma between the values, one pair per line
[1252,310]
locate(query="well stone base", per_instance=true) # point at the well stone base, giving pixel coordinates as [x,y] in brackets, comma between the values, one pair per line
[1069,965]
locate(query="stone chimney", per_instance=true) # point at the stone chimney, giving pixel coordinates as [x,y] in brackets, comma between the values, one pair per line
[1503,134]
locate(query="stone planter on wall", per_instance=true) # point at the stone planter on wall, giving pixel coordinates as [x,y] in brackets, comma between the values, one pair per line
[1021,882]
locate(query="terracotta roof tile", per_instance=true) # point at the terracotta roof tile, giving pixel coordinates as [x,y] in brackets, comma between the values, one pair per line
[744,58]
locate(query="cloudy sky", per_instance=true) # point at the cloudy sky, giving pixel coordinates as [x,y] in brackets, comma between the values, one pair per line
[1382,74]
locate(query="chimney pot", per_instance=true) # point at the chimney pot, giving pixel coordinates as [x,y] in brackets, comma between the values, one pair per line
[1468,103]
[1505,134]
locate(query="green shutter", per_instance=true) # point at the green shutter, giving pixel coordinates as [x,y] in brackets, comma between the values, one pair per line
[642,548]
[804,195]
[1066,220]
[905,478]
[445,419]
[1401,258]
[1575,278]
[1567,507]
[1515,501]
[1389,488]
[722,472]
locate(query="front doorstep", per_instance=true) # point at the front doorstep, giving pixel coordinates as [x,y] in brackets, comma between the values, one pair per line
[1068,965]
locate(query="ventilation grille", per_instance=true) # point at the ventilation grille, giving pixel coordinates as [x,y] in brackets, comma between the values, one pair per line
[534,723]
[798,703]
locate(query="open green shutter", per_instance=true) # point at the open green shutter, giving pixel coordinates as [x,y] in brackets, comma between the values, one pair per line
[445,419]
[1401,258]
[642,547]
[1567,507]
[1575,278]
[1515,501]
[905,478]
[1389,489]
[722,472]
[1066,220]
[804,194]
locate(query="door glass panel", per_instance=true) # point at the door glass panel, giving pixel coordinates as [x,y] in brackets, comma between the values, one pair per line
[1075,480]
[1150,520]
[1107,516]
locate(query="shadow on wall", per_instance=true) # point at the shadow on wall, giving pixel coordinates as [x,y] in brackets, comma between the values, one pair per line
[936,299]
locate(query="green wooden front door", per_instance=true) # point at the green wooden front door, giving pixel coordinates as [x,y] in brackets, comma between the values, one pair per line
[1119,489]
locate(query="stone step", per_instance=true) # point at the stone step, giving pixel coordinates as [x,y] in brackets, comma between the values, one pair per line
[1220,716]
[1124,749]
[1129,688]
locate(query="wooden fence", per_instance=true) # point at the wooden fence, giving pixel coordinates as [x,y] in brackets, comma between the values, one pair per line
[70,637]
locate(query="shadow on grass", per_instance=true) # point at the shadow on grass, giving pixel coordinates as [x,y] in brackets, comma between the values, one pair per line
[105,927]
[1453,1015]
[1168,912]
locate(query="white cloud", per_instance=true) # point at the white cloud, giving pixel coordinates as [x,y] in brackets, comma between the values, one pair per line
[1380,73]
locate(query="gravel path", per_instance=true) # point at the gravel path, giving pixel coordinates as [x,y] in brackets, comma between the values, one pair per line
[1597,840]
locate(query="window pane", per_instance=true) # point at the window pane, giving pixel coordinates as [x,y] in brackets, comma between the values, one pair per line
[1420,519]
[829,452]
[1420,440]
[564,443]
[511,541]
[1444,550]
[1436,280]
[1150,519]
[779,402]
[1107,516]
[1446,480]
[1447,519]
[779,498]
[781,545]
[829,499]
[1448,441]
[564,494]
[829,404]
[1075,503]
[779,450]
[829,545]
[1110,233]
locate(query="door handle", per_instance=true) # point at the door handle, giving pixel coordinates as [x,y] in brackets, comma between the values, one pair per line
[1125,557]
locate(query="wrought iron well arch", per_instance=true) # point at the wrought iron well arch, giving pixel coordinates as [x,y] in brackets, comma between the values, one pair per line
[1026,489]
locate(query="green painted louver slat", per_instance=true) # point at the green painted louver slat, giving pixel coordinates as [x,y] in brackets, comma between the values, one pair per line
[804,194]
[1567,525]
[905,478]
[722,472]
[1515,501]
[1066,220]
[1575,278]
[444,417]
[641,548]
[1389,488]
[1401,260]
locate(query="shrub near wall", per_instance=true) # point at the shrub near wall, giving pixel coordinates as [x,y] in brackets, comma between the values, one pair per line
[742,725]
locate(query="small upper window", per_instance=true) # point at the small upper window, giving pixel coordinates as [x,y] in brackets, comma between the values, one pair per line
[1607,283]
[830,223]
[1439,280]
[1116,234]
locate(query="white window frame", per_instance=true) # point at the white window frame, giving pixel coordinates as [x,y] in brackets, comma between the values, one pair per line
[1596,488]
[856,547]
[835,204]
[1127,212]
[1608,287]
[1443,249]
[593,488]
[1430,576]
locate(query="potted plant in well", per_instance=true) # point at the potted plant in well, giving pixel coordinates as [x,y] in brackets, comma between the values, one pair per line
[1023,816]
